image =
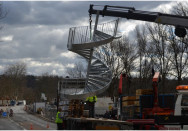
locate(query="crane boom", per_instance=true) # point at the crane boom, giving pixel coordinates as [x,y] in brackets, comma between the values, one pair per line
[180,22]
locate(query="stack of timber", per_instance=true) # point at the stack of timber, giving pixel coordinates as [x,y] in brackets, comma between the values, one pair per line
[76,108]
[128,100]
[128,107]
[140,92]
[144,92]
[134,100]
[131,105]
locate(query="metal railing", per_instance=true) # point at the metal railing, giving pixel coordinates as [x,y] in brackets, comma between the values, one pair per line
[84,34]
[99,74]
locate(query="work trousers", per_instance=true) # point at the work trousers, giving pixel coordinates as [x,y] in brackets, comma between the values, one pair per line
[91,109]
[59,126]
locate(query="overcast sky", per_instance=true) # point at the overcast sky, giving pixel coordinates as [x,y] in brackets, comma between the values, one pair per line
[36,32]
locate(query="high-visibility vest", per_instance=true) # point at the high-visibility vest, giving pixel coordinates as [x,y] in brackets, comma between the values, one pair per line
[92,98]
[95,98]
[58,120]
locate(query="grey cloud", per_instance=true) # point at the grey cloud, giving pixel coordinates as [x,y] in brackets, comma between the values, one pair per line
[50,13]
[44,13]
[40,31]
[35,42]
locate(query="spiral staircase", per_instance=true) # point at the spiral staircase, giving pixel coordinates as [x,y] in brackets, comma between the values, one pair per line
[83,41]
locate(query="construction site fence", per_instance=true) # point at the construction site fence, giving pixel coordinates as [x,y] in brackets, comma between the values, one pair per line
[49,111]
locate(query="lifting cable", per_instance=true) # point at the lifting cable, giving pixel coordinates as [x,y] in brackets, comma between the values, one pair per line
[90,25]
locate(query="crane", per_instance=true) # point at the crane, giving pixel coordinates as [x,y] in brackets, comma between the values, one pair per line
[180,22]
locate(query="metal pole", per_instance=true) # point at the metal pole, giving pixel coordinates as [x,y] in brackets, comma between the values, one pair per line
[58,89]
[57,99]
[91,53]
[116,26]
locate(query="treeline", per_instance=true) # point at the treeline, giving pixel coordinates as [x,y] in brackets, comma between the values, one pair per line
[15,84]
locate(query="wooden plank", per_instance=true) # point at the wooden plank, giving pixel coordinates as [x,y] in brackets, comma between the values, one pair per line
[126,98]
[127,103]
[144,91]
[138,97]
[137,103]
[137,109]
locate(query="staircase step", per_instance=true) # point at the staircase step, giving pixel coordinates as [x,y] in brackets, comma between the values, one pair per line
[100,73]
[102,34]
[101,78]
[87,89]
[98,66]
[96,84]
[93,86]
[98,69]
[102,83]
[97,62]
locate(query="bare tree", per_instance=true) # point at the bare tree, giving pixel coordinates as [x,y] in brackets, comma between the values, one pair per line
[16,70]
[3,13]
[46,84]
[128,56]
[5,88]
[178,47]
[158,38]
[79,71]
[179,59]
[14,74]
[181,8]
[145,56]
[110,55]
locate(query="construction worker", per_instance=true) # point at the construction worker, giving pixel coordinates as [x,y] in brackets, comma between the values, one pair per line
[59,119]
[1,112]
[91,102]
[11,113]
[107,115]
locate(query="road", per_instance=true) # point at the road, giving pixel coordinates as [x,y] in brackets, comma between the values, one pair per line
[7,124]
[31,122]
[24,121]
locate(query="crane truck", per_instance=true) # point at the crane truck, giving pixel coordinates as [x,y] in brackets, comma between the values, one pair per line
[159,114]
[178,116]
[155,117]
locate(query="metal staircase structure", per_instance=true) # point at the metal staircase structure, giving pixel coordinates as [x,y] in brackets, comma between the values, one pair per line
[83,41]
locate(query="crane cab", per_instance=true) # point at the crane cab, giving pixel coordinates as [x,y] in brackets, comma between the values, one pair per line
[181,105]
